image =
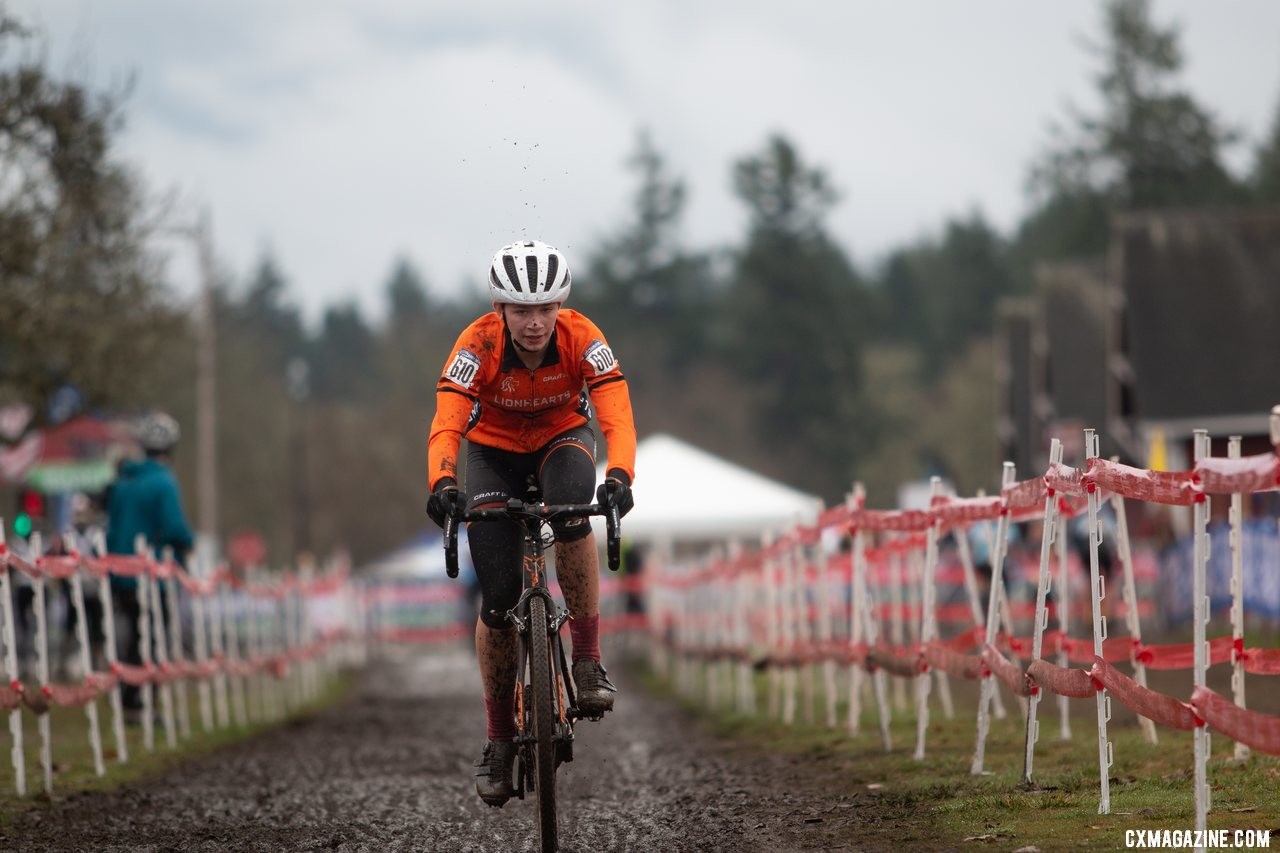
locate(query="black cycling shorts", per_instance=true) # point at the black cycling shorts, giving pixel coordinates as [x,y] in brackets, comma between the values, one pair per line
[565,468]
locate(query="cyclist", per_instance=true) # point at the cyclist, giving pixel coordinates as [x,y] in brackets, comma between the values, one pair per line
[519,385]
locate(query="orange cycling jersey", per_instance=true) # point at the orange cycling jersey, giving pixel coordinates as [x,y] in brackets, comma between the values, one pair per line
[488,395]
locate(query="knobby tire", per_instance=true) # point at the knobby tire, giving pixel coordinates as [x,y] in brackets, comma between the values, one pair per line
[542,677]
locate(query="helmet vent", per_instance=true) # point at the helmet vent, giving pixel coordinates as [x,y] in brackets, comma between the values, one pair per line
[553,267]
[531,269]
[509,264]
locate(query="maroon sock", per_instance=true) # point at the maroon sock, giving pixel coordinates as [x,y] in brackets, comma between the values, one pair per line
[585,631]
[500,719]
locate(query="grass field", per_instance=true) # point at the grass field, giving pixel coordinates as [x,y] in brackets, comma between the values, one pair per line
[73,771]
[1150,784]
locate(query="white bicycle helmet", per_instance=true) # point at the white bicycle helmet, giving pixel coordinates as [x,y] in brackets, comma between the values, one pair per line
[529,273]
[158,432]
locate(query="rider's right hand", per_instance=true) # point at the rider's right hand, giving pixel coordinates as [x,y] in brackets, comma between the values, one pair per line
[616,491]
[446,500]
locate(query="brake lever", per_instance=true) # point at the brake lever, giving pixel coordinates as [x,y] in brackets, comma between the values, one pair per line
[613,537]
[451,545]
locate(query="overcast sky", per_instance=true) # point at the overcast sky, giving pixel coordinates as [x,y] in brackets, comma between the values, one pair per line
[341,135]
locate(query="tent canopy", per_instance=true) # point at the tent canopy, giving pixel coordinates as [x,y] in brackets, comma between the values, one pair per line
[686,494]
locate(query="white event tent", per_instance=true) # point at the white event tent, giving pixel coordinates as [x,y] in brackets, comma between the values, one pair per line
[685,494]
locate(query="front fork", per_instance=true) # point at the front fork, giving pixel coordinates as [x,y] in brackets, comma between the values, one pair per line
[565,699]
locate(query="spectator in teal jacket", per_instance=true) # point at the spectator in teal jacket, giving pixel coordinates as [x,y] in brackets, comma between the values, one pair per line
[144,500]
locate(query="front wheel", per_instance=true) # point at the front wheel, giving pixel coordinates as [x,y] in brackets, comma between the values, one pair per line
[542,699]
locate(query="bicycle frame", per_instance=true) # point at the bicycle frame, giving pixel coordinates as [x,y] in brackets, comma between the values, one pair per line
[530,515]
[535,585]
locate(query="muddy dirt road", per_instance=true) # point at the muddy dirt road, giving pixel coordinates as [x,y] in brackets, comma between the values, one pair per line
[391,769]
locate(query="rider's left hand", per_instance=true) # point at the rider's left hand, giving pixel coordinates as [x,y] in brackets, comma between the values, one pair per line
[616,491]
[445,500]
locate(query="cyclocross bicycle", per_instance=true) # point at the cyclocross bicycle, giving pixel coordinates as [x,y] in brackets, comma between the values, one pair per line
[546,706]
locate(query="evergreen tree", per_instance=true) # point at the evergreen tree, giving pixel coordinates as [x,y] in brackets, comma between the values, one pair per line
[940,295]
[1151,145]
[265,320]
[345,358]
[641,287]
[795,312]
[1264,178]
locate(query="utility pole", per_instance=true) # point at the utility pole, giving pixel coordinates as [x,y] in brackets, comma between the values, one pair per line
[206,389]
[298,385]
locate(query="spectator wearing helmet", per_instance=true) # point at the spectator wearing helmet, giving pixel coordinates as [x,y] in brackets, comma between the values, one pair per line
[144,500]
[520,385]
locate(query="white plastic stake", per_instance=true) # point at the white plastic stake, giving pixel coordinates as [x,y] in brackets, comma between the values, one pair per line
[222,704]
[143,627]
[740,601]
[804,628]
[162,659]
[1200,617]
[1099,632]
[86,662]
[1237,595]
[871,629]
[176,652]
[230,614]
[16,752]
[1049,530]
[719,630]
[1064,625]
[897,620]
[987,684]
[773,623]
[253,647]
[823,602]
[199,628]
[43,723]
[928,621]
[790,617]
[109,649]
[857,604]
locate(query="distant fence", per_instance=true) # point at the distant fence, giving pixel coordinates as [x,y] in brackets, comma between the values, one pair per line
[254,648]
[429,610]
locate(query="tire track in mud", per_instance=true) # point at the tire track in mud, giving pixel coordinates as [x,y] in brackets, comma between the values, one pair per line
[390,768]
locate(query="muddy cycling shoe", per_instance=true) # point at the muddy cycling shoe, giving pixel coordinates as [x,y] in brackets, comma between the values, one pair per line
[493,772]
[595,690]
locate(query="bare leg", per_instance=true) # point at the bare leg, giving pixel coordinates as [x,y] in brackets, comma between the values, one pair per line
[578,570]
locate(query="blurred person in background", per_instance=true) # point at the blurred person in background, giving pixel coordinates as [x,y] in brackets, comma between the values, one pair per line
[981,536]
[144,499]
[519,385]
[84,516]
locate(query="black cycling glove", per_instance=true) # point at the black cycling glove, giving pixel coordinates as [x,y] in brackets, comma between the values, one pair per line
[616,491]
[445,500]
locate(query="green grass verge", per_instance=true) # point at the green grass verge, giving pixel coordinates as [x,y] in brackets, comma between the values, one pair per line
[1151,785]
[73,770]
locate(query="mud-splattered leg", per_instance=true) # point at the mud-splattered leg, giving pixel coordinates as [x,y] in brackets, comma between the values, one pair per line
[578,570]
[496,652]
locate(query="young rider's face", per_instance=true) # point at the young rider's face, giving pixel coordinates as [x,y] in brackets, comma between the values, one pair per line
[530,325]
